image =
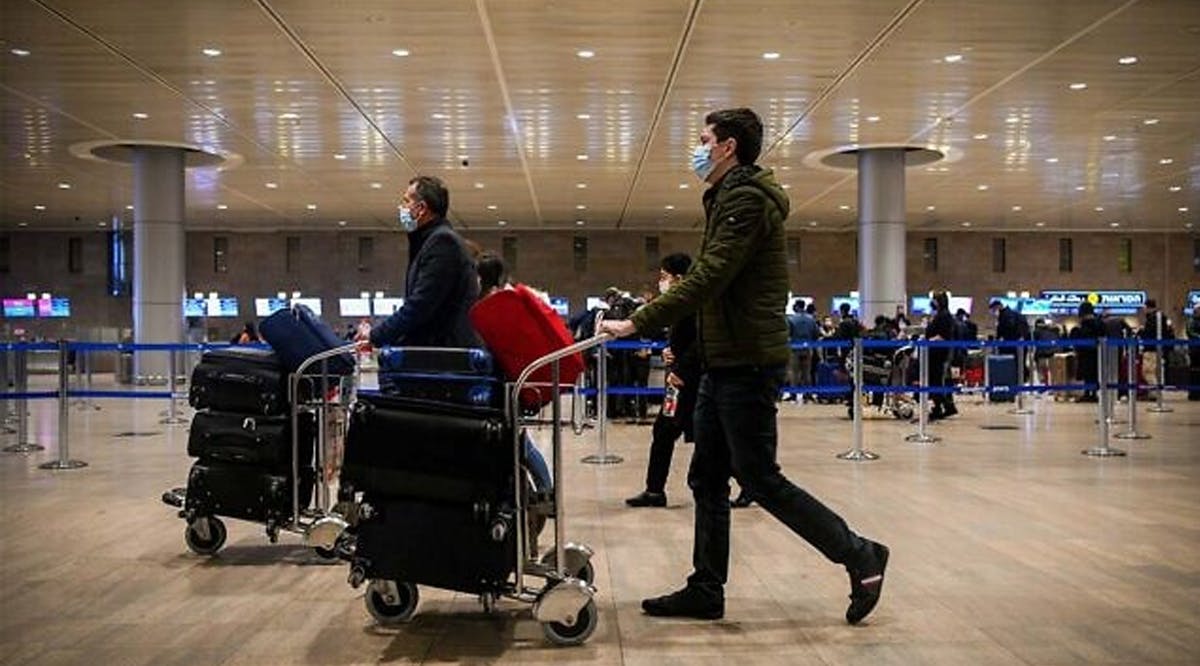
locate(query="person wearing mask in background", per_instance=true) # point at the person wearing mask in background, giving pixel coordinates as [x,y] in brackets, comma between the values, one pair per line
[737,284]
[941,327]
[1090,328]
[900,322]
[1154,328]
[682,361]
[802,328]
[441,283]
[248,335]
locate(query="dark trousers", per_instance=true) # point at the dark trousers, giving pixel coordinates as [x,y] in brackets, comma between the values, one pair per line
[666,430]
[736,436]
[939,368]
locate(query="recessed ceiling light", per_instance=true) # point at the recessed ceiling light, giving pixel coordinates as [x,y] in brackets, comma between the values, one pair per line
[812,223]
[1114,225]
[980,137]
[1051,160]
[502,222]
[1127,60]
[585,53]
[1016,208]
[1150,121]
[400,53]
[580,207]
[39,207]
[669,207]
[272,186]
[953,57]
[140,116]
[931,208]
[211,52]
[1183,209]
[438,116]
[1174,188]
[579,223]
[376,186]
[872,119]
[311,206]
[222,207]
[102,224]
[1039,224]
[1099,209]
[341,223]
[770,55]
[1078,86]
[581,157]
[981,188]
[20,53]
[25,224]
[1080,188]
[1166,160]
[1186,226]
[1012,120]
[492,207]
[289,116]
[129,207]
[1110,137]
[966,224]
[581,186]
[583,116]
[479,186]
[684,186]
[787,186]
[64,186]
[843,207]
[339,156]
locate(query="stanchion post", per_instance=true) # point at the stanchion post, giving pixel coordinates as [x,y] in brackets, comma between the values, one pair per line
[1160,368]
[6,415]
[857,452]
[24,443]
[986,393]
[920,436]
[1102,450]
[64,416]
[603,457]
[173,417]
[1020,357]
[1131,354]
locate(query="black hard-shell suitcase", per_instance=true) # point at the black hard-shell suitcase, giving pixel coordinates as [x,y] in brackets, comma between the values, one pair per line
[473,361]
[297,334]
[428,450]
[249,380]
[265,441]
[444,387]
[449,546]
[1002,373]
[244,491]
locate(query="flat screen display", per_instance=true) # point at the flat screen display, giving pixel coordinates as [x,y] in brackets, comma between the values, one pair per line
[265,307]
[561,305]
[195,307]
[1116,302]
[960,303]
[225,306]
[594,302]
[838,300]
[787,308]
[313,304]
[919,305]
[54,307]
[354,307]
[18,307]
[384,307]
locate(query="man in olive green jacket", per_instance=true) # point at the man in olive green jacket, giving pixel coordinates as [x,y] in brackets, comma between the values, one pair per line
[737,284]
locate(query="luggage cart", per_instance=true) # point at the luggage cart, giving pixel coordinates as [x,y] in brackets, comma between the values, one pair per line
[326,399]
[558,585]
[887,367]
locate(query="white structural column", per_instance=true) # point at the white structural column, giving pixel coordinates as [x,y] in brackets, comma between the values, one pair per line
[158,254]
[881,232]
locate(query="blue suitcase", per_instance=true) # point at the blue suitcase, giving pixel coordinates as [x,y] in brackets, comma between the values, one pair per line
[472,361]
[460,389]
[1002,373]
[297,334]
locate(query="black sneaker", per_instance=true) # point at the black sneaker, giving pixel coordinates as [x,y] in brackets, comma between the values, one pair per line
[950,411]
[647,498]
[688,602]
[866,583]
[741,501]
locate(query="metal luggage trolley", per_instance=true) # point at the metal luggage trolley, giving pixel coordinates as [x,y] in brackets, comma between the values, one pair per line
[327,398]
[563,601]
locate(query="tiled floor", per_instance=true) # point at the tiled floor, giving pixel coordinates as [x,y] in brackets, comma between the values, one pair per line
[1009,547]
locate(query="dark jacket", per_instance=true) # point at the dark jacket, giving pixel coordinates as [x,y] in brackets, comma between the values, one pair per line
[1090,328]
[1009,325]
[682,340]
[740,277]
[440,288]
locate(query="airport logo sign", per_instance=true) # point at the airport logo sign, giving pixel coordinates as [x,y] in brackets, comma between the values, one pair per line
[1067,302]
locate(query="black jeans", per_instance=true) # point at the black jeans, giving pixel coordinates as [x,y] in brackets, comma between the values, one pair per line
[736,436]
[666,430]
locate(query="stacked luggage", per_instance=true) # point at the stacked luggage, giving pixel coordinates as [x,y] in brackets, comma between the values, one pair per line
[242,438]
[457,376]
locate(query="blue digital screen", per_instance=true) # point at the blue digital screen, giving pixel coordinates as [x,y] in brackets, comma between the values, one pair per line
[225,306]
[265,307]
[561,305]
[354,307]
[54,307]
[852,300]
[18,307]
[194,307]
[1067,301]
[384,306]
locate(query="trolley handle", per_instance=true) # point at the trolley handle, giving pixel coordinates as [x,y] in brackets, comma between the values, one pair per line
[328,353]
[581,346]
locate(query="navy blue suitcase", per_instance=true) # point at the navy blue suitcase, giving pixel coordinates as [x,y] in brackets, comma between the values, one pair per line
[1002,373]
[472,390]
[297,334]
[246,380]
[472,361]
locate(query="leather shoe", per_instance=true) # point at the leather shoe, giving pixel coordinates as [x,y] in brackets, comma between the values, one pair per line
[688,602]
[741,501]
[647,498]
[866,582]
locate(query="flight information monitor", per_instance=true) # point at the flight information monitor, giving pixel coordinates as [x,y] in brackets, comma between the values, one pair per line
[354,307]
[561,305]
[384,307]
[225,306]
[838,300]
[195,307]
[18,307]
[313,304]
[265,307]
[54,307]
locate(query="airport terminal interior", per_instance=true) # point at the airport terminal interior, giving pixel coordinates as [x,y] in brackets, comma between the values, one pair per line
[181,176]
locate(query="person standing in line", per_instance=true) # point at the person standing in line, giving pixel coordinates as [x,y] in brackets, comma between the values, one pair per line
[736,284]
[802,328]
[941,327]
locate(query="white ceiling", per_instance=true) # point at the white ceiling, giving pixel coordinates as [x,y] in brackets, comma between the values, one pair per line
[499,83]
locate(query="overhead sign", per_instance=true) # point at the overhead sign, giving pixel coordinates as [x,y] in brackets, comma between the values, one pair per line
[1067,302]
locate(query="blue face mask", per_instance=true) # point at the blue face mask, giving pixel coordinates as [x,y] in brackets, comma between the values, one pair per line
[702,164]
[407,222]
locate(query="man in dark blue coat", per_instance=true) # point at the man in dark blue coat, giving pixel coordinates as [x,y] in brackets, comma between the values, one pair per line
[441,284]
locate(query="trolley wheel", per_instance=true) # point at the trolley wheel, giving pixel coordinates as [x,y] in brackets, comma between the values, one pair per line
[576,633]
[391,611]
[324,553]
[205,546]
[904,412]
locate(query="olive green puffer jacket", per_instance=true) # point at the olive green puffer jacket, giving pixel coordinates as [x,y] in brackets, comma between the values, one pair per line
[739,283]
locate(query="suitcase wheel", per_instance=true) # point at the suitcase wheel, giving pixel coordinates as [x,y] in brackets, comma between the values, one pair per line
[391,602]
[205,535]
[575,633]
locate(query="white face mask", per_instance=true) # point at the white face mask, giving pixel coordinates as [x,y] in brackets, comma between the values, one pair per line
[663,285]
